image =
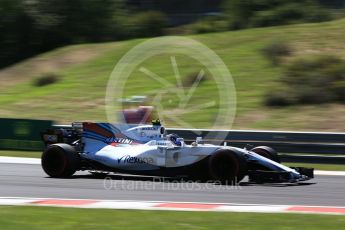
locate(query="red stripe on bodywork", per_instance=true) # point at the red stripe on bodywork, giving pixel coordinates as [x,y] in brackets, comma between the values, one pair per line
[64,202]
[97,129]
[187,205]
[339,210]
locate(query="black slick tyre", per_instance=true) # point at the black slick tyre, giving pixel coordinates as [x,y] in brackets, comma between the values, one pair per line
[267,152]
[227,167]
[60,160]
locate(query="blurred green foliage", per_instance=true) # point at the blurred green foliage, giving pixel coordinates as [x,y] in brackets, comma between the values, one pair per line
[28,27]
[259,13]
[147,24]
[209,24]
[315,80]
[276,50]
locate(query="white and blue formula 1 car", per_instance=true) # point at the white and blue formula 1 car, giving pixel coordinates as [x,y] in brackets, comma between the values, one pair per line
[148,150]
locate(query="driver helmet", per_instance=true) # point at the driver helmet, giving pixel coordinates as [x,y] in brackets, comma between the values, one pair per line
[174,138]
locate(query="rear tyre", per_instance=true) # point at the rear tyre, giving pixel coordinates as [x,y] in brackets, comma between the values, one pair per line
[60,160]
[227,167]
[267,152]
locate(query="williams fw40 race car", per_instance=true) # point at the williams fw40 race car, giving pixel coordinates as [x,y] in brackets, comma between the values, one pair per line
[148,150]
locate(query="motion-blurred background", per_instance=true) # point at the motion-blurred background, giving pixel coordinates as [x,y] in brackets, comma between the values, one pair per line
[286,57]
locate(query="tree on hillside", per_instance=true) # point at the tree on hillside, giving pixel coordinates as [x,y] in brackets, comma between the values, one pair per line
[75,21]
[15,28]
[333,3]
[253,13]
[28,27]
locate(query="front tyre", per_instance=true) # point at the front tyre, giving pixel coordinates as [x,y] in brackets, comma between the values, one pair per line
[267,152]
[227,167]
[60,160]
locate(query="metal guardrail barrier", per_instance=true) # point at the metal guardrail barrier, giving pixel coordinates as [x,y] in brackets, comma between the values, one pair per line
[284,142]
[304,147]
[315,159]
[324,147]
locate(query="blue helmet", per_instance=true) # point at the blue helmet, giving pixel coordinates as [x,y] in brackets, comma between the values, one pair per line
[174,138]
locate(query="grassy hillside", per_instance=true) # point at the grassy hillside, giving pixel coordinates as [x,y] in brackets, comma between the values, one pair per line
[84,71]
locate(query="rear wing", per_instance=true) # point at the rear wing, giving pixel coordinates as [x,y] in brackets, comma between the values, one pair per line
[62,134]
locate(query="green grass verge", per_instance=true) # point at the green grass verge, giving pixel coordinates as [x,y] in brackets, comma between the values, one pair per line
[11,153]
[330,167]
[84,71]
[69,218]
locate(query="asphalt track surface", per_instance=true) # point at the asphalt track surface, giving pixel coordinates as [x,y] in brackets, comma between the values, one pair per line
[26,180]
